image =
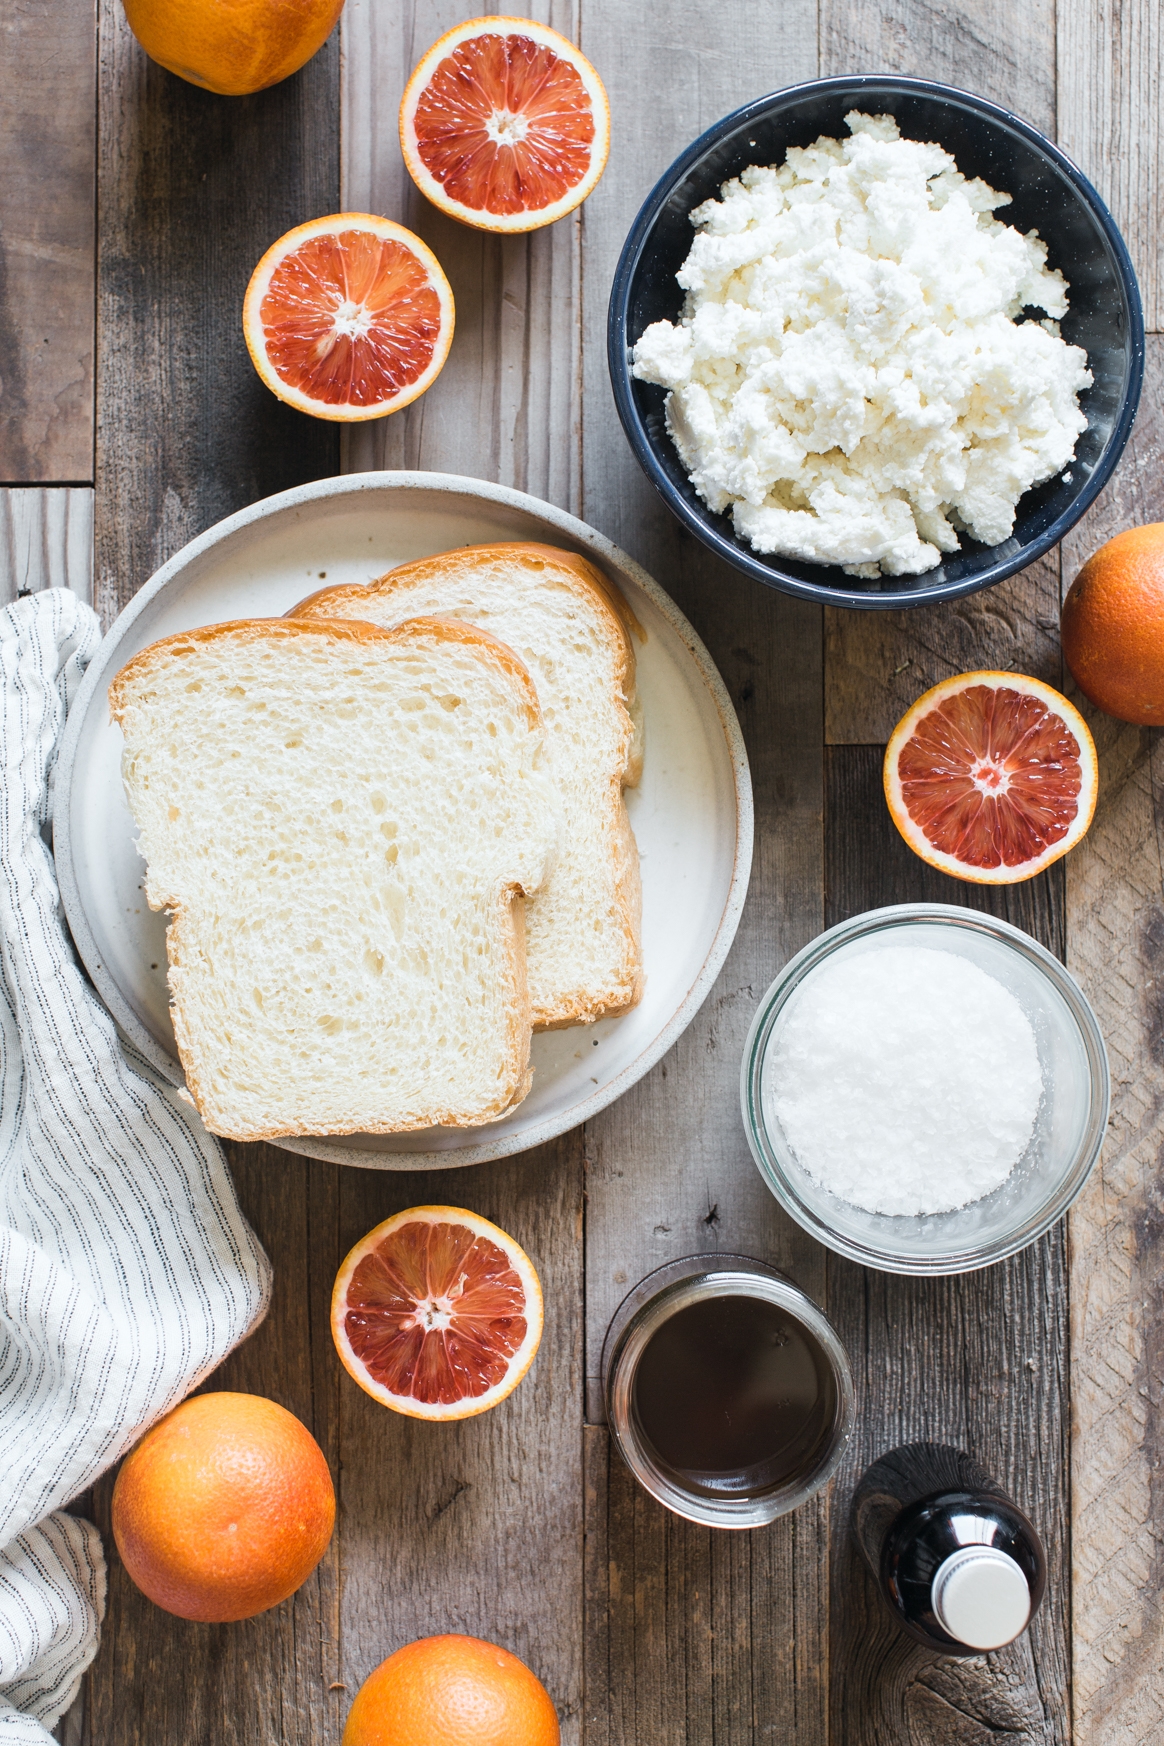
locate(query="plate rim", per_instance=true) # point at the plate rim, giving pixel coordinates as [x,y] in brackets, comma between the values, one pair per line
[572,528]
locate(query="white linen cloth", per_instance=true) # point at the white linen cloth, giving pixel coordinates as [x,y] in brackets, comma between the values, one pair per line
[127,1270]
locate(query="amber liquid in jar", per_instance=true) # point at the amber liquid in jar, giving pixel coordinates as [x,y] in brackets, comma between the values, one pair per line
[734,1396]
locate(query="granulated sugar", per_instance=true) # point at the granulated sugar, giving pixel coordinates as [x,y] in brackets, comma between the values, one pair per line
[906,1080]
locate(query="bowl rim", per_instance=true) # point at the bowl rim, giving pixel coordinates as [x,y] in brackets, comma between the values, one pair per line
[982,1253]
[621,380]
[663,1293]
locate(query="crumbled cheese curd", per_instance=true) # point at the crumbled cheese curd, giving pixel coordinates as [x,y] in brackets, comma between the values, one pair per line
[848,377]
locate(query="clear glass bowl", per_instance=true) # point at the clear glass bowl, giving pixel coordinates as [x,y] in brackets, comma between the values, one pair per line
[1069,1126]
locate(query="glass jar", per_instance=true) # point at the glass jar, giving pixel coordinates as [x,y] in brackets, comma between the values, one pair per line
[728,1393]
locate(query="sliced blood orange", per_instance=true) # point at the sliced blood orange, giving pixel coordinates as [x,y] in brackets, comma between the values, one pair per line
[991,777]
[505,125]
[437,1313]
[348,317]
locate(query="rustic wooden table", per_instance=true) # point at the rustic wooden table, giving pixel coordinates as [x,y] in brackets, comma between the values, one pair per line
[134,207]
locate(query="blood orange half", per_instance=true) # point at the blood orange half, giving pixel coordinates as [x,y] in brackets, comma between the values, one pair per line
[437,1313]
[505,125]
[991,777]
[348,317]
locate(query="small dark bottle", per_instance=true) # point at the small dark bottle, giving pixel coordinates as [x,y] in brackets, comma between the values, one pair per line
[958,1564]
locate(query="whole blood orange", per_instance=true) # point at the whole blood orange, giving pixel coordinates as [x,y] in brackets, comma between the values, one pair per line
[437,1313]
[452,1691]
[991,777]
[505,124]
[232,46]
[224,1508]
[1113,626]
[348,317]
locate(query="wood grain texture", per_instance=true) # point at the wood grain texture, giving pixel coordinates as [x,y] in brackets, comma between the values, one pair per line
[48,116]
[669,1172]
[878,663]
[505,406]
[479,1526]
[476,1526]
[1115,904]
[1110,76]
[159,1680]
[192,188]
[978,1361]
[695,1635]
[997,49]
[46,540]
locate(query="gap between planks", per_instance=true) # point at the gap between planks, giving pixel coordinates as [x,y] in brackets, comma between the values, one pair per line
[46,540]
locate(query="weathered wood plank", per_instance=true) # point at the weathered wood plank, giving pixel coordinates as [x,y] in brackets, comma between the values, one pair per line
[46,540]
[989,46]
[674,1611]
[694,1635]
[482,1523]
[191,189]
[965,1360]
[979,1361]
[476,1526]
[48,117]
[670,1155]
[1110,75]
[1115,908]
[878,663]
[505,406]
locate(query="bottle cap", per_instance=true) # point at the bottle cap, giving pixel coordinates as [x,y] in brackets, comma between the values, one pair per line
[980,1597]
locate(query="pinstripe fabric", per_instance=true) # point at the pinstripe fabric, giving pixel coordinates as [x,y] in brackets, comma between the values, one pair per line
[127,1271]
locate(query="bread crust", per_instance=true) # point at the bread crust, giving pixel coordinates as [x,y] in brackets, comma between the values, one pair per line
[519,1071]
[336,603]
[134,681]
[257,630]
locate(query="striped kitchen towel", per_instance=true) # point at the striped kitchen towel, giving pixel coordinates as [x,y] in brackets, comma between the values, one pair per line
[127,1270]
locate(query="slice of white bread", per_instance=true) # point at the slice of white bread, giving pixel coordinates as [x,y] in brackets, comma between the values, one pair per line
[342,820]
[572,630]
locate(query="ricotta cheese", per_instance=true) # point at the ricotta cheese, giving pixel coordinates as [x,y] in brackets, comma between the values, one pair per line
[848,376]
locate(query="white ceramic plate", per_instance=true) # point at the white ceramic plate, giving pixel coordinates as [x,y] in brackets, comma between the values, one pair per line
[692,812]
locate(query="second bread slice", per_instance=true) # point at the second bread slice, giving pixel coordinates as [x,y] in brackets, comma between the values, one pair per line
[571,630]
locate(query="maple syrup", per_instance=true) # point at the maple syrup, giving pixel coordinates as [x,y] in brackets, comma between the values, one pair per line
[728,1392]
[734,1396]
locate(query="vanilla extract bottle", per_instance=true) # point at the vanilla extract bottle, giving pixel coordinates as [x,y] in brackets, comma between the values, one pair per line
[958,1564]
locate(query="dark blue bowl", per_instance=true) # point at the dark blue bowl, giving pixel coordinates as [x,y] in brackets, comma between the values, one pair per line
[1048,195]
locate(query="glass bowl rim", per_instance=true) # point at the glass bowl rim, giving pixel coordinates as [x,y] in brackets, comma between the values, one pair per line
[986,1252]
[655,1299]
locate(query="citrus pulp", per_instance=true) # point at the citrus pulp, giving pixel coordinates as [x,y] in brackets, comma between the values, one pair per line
[1113,626]
[437,1313]
[232,47]
[348,317]
[505,125]
[224,1508]
[991,777]
[455,1690]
